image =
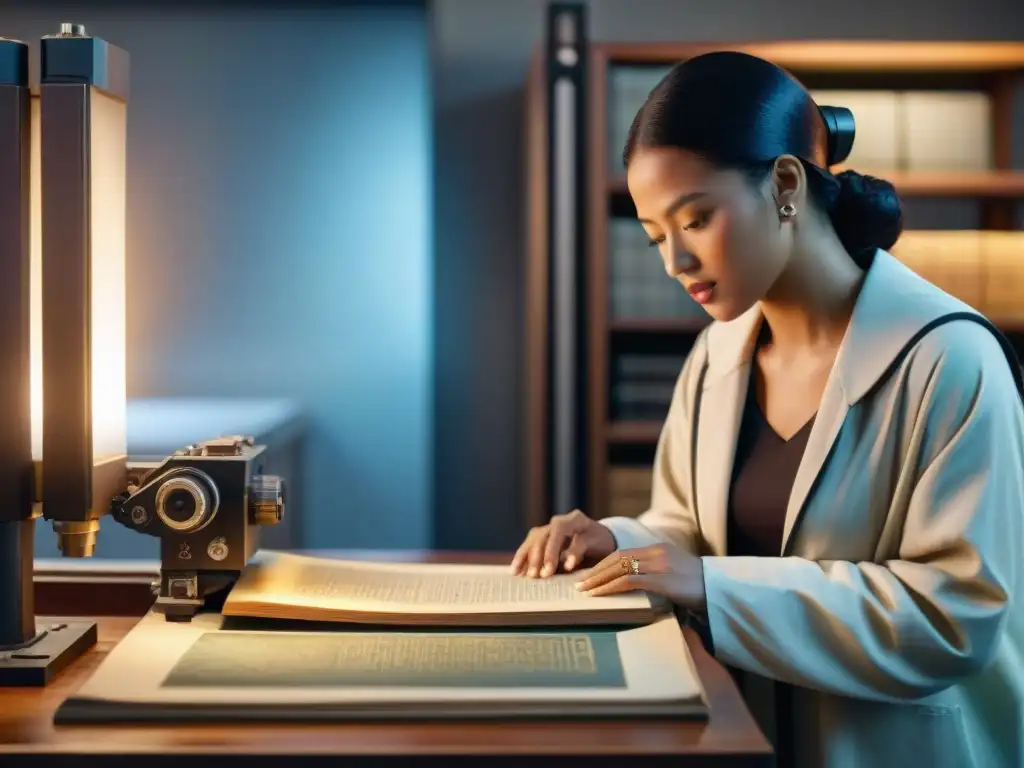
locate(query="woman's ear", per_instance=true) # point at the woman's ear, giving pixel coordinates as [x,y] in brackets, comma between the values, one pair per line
[789,185]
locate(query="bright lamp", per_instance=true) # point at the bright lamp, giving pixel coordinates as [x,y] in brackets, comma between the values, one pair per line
[63,407]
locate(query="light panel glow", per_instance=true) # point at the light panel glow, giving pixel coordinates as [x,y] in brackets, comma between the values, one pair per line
[107,199]
[108,280]
[36,280]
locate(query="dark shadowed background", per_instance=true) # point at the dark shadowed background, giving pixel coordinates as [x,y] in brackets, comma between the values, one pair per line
[326,204]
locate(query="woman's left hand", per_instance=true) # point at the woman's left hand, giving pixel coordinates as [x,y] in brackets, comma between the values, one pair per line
[663,569]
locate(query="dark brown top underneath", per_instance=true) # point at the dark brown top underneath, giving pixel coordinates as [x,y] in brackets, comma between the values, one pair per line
[762,478]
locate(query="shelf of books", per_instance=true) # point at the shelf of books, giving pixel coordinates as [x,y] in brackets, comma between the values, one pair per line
[936,119]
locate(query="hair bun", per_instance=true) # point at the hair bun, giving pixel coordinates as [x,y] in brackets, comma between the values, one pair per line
[866,213]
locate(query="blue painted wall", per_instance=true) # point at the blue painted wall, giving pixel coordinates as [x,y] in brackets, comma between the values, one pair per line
[279,235]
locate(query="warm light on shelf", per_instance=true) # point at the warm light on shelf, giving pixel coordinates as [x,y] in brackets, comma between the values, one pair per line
[858,56]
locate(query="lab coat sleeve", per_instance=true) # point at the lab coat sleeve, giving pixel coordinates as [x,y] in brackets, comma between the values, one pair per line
[670,517]
[914,625]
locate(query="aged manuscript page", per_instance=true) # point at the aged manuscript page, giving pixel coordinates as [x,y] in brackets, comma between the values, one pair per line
[284,585]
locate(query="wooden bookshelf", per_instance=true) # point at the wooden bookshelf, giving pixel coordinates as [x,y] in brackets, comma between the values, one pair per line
[996,68]
[634,432]
[977,184]
[881,56]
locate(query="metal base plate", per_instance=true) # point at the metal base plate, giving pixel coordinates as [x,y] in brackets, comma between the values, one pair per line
[57,645]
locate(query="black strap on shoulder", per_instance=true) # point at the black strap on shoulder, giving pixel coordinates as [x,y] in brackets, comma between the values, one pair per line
[694,426]
[1011,358]
[1008,350]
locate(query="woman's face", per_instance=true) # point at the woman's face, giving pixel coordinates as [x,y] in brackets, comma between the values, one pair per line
[717,235]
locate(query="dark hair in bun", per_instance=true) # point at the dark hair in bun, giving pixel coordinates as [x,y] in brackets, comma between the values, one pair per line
[742,112]
[866,213]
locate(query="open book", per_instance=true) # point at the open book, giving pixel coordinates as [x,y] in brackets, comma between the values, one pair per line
[287,586]
[216,669]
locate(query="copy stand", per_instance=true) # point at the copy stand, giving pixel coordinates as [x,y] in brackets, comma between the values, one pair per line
[32,651]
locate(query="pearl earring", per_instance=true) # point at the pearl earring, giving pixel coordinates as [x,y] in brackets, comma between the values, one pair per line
[787,211]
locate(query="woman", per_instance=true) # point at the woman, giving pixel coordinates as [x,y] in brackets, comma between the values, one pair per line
[838,489]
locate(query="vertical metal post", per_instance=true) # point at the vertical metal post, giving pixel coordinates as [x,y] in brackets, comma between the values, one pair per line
[566,65]
[17,620]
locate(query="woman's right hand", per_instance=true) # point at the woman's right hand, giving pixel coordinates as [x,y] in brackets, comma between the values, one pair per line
[574,534]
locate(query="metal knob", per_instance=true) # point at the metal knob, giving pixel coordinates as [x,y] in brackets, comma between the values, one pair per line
[69,29]
[266,500]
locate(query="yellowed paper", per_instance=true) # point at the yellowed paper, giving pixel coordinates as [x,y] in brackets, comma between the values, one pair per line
[285,585]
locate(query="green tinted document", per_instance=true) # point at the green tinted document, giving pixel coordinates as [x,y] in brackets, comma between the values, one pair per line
[401,659]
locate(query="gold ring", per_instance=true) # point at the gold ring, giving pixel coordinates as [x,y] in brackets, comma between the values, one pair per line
[635,566]
[624,562]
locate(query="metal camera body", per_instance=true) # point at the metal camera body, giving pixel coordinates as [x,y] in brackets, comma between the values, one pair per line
[206,504]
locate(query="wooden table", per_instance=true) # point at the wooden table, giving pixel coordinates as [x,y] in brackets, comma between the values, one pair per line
[28,737]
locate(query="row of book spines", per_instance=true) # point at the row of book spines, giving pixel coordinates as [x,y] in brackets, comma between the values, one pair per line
[643,384]
[638,286]
[629,490]
[896,129]
[982,268]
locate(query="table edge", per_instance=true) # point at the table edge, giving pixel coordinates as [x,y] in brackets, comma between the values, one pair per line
[119,589]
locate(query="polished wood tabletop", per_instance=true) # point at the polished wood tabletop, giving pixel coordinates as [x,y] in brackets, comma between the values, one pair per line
[729,737]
